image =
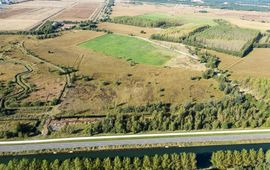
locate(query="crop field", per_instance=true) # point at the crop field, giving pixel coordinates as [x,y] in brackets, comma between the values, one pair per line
[26,15]
[225,38]
[128,48]
[255,64]
[79,12]
[177,34]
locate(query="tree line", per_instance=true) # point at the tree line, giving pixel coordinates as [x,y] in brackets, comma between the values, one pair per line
[185,161]
[251,159]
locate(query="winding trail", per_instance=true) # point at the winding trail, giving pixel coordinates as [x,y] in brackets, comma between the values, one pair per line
[19,79]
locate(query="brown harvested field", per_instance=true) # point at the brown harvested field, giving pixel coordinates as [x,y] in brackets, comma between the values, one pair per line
[256,64]
[79,12]
[128,29]
[246,19]
[138,84]
[26,15]
[4,14]
[30,14]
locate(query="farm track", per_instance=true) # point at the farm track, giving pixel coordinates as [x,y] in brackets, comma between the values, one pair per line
[234,64]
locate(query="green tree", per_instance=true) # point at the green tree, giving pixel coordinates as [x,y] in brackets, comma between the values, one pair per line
[78,164]
[55,165]
[117,163]
[137,163]
[107,164]
[146,163]
[127,163]
[156,162]
[260,156]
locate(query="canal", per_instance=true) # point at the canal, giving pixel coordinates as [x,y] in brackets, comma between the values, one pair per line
[203,153]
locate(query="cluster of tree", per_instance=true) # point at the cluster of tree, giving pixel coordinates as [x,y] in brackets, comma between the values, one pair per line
[185,161]
[264,42]
[175,34]
[225,31]
[46,36]
[21,130]
[229,112]
[211,61]
[108,11]
[144,21]
[240,159]
[87,25]
[48,27]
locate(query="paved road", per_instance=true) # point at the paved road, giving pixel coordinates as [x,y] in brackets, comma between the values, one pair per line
[122,140]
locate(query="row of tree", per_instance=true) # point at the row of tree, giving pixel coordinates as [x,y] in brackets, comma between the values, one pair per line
[241,159]
[185,161]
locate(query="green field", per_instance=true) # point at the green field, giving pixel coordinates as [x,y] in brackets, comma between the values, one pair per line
[129,48]
[161,20]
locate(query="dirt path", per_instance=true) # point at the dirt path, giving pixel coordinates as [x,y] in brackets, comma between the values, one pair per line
[19,79]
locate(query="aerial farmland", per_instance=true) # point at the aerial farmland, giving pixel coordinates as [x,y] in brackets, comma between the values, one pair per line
[82,73]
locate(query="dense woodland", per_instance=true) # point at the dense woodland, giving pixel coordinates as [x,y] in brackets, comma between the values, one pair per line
[148,21]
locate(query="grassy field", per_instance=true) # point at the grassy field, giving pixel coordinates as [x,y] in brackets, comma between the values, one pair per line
[177,34]
[129,48]
[225,38]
